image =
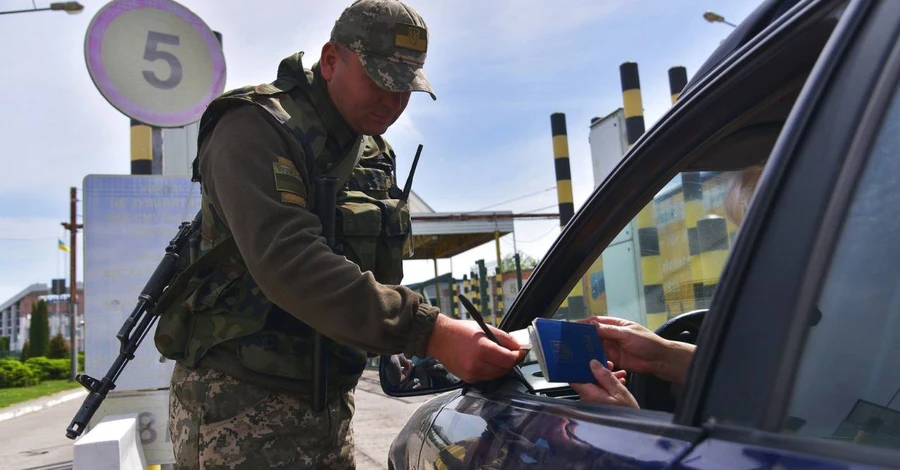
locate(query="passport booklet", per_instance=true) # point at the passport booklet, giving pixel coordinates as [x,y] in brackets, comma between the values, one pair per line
[564,349]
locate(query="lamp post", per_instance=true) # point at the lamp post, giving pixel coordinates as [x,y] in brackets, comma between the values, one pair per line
[71,8]
[716,18]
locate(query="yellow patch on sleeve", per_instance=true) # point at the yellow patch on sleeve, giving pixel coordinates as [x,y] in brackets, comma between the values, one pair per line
[291,198]
[288,182]
[411,37]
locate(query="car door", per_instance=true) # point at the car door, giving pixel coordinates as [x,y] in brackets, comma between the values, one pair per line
[649,245]
[816,293]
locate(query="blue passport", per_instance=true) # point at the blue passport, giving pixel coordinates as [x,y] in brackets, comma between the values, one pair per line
[564,349]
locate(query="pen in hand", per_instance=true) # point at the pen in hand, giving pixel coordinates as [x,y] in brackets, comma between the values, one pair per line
[487,331]
[477,316]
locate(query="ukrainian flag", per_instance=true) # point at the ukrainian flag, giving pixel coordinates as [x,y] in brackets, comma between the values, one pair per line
[62,246]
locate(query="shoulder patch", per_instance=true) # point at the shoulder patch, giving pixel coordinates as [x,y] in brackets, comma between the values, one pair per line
[288,182]
[291,198]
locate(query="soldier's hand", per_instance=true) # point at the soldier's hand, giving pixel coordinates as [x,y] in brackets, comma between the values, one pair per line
[464,350]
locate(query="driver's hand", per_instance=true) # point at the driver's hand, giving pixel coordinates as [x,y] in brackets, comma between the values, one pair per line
[609,389]
[637,349]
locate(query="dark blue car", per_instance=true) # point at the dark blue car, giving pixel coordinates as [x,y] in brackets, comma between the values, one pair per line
[758,219]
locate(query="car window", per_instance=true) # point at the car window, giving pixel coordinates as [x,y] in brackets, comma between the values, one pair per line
[848,385]
[668,259]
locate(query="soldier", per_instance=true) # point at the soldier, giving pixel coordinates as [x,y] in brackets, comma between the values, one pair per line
[263,282]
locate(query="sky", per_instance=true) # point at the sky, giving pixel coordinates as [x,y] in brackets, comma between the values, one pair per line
[500,68]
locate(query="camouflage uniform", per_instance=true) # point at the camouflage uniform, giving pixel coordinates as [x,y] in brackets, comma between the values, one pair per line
[240,317]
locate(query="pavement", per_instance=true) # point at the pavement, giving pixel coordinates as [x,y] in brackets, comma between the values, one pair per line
[33,434]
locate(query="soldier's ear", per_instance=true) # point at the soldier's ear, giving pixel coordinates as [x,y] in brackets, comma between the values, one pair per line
[329,60]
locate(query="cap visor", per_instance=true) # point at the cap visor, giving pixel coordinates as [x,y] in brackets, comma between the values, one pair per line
[396,76]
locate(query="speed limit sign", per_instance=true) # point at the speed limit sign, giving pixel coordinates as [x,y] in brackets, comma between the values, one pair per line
[155,61]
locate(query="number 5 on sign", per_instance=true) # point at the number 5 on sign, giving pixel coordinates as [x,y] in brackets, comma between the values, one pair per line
[151,53]
[155,61]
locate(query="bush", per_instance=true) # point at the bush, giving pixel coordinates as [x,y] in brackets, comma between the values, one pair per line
[39,331]
[26,351]
[81,362]
[59,347]
[15,374]
[49,369]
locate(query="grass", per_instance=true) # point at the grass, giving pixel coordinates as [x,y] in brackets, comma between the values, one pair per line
[11,396]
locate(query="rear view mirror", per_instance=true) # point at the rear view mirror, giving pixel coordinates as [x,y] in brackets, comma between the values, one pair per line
[404,377]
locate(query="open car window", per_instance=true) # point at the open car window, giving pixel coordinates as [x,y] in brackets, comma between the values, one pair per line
[668,259]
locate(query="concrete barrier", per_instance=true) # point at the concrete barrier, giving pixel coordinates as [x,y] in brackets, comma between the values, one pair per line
[112,444]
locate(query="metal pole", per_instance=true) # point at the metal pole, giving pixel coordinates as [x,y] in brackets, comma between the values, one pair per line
[518,263]
[146,149]
[10,12]
[677,82]
[73,288]
[573,306]
[518,271]
[437,286]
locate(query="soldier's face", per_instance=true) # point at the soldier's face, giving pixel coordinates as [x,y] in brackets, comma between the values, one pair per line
[367,108]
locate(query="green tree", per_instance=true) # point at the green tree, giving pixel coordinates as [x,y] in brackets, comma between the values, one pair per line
[508,262]
[26,351]
[4,344]
[39,331]
[59,347]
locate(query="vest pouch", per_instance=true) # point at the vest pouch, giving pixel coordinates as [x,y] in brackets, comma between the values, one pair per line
[358,227]
[227,307]
[177,323]
[348,363]
[392,244]
[279,354]
[372,181]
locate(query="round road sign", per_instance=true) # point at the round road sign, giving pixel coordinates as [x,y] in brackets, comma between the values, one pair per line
[155,61]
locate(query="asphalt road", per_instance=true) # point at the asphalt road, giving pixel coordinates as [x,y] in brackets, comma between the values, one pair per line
[37,441]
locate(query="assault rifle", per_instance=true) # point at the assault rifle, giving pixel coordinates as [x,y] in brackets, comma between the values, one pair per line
[135,327]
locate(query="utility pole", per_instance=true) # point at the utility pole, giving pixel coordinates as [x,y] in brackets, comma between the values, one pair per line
[73,227]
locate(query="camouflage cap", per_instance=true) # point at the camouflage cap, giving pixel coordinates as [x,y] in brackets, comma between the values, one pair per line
[391,41]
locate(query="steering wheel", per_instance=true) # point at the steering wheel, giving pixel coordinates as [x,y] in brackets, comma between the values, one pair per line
[656,394]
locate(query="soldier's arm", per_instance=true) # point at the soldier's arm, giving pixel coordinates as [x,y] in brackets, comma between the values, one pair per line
[262,201]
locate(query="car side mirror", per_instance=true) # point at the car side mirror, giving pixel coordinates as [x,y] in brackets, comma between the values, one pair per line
[406,377]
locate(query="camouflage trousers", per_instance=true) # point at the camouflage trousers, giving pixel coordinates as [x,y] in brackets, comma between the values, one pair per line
[217,421]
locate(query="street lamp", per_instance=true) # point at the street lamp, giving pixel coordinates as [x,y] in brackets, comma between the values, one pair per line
[71,8]
[716,18]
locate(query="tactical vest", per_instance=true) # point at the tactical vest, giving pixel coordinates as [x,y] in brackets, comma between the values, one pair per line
[215,303]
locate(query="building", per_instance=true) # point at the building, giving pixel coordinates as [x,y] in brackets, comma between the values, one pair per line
[667,261]
[442,290]
[15,314]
